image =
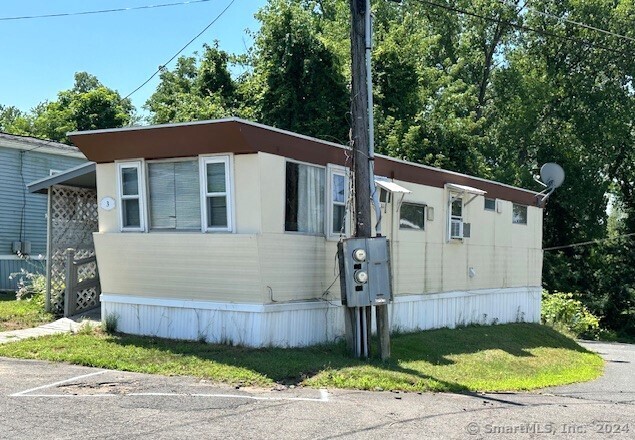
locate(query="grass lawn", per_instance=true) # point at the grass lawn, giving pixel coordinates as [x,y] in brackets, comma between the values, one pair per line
[496,358]
[16,315]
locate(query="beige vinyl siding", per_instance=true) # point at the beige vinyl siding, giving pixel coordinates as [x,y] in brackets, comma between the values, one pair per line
[293,267]
[107,187]
[272,190]
[189,266]
[247,193]
[261,263]
[502,254]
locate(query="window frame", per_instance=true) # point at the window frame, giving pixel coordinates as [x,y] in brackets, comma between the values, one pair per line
[514,205]
[485,208]
[139,165]
[331,171]
[228,160]
[451,199]
[323,233]
[425,213]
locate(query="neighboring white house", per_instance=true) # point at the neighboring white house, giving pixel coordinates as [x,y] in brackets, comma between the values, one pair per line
[227,230]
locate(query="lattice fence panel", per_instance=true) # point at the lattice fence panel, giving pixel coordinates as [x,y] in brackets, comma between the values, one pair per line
[73,221]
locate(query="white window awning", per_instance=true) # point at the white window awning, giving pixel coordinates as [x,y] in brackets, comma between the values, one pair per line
[465,189]
[391,186]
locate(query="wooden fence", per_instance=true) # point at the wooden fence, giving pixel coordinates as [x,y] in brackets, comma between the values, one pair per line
[82,284]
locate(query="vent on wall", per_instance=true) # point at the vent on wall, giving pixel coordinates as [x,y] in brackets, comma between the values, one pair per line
[466,230]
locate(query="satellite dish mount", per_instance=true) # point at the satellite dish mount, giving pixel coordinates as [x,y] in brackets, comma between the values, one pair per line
[551,177]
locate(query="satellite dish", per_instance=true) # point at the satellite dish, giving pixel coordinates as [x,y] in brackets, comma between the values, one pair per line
[552,175]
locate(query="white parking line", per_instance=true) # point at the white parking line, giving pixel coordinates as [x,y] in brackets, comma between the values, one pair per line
[324,395]
[51,385]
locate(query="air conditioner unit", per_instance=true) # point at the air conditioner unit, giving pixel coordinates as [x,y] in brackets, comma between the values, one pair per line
[456,229]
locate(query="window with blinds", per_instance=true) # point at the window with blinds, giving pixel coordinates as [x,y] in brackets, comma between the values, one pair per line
[174,195]
[177,195]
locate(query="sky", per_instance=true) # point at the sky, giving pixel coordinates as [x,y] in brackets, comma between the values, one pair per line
[38,57]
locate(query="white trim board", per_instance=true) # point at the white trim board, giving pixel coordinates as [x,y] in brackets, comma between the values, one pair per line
[294,305]
[213,305]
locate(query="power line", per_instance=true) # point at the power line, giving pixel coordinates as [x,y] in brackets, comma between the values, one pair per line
[163,66]
[584,25]
[133,8]
[587,243]
[523,27]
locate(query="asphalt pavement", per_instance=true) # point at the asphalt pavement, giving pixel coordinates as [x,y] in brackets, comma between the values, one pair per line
[59,401]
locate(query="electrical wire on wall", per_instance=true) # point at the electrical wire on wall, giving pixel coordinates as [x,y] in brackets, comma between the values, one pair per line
[23,210]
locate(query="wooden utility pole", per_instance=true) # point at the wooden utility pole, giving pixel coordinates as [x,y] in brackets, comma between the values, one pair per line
[358,320]
[359,110]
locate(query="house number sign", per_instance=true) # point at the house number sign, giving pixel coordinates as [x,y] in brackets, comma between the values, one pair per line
[107,203]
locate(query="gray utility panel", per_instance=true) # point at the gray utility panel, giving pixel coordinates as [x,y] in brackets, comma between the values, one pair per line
[365,271]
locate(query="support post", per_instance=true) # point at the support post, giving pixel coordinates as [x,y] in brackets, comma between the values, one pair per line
[70,299]
[49,249]
[383,331]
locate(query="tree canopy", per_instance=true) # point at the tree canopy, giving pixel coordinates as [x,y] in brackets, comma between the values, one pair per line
[89,105]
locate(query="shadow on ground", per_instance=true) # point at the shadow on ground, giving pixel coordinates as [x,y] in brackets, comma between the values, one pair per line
[436,347]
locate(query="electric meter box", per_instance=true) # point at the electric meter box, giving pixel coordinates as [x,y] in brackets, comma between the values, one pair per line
[365,271]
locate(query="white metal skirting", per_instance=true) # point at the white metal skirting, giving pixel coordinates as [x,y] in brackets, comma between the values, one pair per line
[304,323]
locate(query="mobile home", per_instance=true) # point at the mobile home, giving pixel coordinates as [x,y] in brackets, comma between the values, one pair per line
[227,230]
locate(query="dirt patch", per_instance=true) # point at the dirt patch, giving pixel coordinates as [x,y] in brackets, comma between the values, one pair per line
[117,388]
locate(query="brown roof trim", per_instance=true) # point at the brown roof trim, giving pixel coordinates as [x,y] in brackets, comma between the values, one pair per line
[242,137]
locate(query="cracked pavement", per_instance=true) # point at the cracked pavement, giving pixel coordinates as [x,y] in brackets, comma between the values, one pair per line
[54,401]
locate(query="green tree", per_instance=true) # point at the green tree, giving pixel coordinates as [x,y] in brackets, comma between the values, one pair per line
[571,101]
[198,88]
[297,81]
[89,105]
[13,120]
